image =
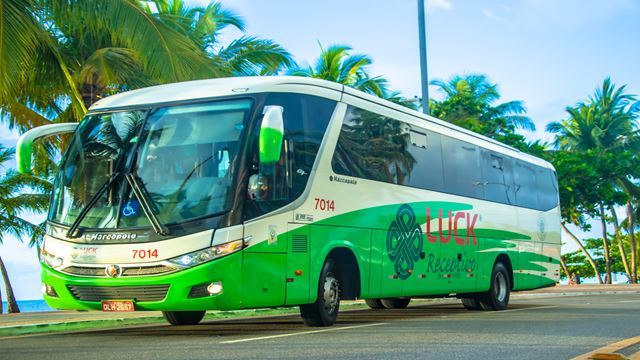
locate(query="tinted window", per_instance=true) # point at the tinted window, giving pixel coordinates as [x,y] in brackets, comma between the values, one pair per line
[462,175]
[525,185]
[497,171]
[547,189]
[305,122]
[374,147]
[426,149]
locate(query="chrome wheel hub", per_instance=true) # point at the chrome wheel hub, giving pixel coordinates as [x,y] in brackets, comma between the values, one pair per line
[500,287]
[331,293]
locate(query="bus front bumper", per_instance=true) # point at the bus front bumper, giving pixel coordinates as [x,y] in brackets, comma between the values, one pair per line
[73,291]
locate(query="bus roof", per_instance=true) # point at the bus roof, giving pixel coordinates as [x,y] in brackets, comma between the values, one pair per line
[211,88]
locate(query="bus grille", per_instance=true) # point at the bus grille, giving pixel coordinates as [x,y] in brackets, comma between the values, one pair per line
[299,244]
[137,293]
[126,271]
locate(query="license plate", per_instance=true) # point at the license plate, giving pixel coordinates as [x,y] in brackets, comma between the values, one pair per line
[117,305]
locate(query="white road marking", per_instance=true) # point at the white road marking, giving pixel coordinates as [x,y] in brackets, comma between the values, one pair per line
[629,301]
[299,333]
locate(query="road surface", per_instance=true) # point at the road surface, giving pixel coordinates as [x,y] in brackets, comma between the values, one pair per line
[560,327]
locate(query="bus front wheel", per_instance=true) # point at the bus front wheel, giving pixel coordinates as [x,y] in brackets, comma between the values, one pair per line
[183,317]
[324,311]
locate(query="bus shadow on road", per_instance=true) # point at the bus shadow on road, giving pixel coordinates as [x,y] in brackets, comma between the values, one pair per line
[274,325]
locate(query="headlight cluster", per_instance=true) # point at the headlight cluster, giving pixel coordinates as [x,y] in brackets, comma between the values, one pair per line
[50,260]
[208,254]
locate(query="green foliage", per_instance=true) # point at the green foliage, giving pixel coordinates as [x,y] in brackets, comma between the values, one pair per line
[18,194]
[337,64]
[587,178]
[470,102]
[577,262]
[76,52]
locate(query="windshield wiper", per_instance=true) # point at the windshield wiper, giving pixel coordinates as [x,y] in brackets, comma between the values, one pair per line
[147,204]
[73,230]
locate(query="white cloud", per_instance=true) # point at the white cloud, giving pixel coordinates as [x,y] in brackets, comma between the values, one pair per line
[492,15]
[8,136]
[438,4]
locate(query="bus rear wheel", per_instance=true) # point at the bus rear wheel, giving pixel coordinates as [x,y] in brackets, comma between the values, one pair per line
[472,303]
[374,303]
[497,298]
[183,317]
[324,311]
[395,303]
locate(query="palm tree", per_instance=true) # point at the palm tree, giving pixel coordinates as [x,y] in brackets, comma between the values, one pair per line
[13,201]
[79,51]
[605,124]
[246,56]
[338,65]
[469,102]
[82,50]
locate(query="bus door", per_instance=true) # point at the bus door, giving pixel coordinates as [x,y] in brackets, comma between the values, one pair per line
[264,262]
[297,275]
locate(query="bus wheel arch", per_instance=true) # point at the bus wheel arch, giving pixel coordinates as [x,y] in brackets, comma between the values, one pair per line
[347,271]
[497,298]
[506,261]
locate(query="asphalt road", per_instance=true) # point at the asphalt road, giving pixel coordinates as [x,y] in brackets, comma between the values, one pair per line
[544,328]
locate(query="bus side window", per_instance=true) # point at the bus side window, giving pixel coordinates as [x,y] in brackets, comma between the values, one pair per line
[547,189]
[426,150]
[497,173]
[462,173]
[526,185]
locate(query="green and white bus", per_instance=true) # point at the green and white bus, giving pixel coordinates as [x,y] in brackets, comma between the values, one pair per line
[285,191]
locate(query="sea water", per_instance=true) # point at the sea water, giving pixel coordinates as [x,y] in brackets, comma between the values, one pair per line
[29,306]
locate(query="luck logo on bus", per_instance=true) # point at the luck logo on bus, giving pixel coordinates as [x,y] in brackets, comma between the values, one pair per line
[404,241]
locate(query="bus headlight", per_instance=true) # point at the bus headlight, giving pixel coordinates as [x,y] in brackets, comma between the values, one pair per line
[50,260]
[208,254]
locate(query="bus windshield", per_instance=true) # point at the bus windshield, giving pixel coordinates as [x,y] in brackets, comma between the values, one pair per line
[183,157]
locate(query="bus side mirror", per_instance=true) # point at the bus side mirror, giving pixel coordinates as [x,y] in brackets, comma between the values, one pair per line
[271,134]
[25,143]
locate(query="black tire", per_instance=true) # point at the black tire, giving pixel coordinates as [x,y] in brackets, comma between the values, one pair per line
[395,303]
[183,317]
[324,311]
[374,303]
[472,303]
[497,298]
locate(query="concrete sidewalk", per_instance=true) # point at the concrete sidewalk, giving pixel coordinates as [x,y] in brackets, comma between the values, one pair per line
[39,319]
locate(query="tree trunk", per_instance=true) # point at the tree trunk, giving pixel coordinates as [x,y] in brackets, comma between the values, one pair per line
[586,253]
[605,245]
[12,305]
[618,237]
[564,267]
[632,240]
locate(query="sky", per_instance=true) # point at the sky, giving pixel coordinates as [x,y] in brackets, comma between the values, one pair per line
[548,53]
